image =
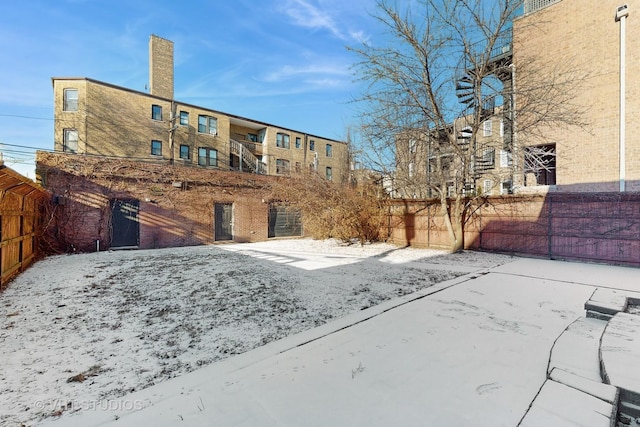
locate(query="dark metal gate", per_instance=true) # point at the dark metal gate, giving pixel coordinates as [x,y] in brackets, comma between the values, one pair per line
[125,227]
[284,221]
[223,217]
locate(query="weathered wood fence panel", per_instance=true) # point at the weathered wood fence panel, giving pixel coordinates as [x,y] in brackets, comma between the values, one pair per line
[20,216]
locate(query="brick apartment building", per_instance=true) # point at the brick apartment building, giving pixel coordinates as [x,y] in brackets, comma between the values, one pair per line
[552,37]
[422,165]
[97,118]
[586,35]
[143,170]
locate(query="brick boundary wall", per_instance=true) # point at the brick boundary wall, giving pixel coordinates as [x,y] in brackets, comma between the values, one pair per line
[176,203]
[592,227]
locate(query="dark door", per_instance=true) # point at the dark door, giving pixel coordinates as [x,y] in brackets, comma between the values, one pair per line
[125,228]
[223,214]
[284,221]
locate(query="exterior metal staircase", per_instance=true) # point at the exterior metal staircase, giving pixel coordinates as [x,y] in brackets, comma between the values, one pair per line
[468,84]
[253,164]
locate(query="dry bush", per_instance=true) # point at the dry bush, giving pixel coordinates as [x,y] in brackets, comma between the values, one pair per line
[331,210]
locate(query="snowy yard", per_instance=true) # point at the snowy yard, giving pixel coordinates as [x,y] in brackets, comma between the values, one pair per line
[98,326]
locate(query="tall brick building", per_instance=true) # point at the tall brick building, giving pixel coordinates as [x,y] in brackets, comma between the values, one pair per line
[567,53]
[586,35]
[98,118]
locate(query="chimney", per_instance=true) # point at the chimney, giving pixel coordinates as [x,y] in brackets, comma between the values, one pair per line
[161,67]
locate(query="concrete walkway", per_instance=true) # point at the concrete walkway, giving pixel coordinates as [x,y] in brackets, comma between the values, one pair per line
[477,350]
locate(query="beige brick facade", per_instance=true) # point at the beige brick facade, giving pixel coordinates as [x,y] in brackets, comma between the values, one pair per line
[585,35]
[161,67]
[98,118]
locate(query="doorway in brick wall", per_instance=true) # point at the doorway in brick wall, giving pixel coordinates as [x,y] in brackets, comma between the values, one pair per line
[284,221]
[223,218]
[125,226]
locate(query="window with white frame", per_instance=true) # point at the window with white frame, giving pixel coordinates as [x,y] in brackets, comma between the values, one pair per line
[411,170]
[70,141]
[329,173]
[329,150]
[282,167]
[487,186]
[298,142]
[506,159]
[413,146]
[501,127]
[282,140]
[207,125]
[156,112]
[70,100]
[487,128]
[312,145]
[207,156]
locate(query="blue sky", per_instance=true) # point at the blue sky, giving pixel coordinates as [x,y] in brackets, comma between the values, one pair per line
[279,61]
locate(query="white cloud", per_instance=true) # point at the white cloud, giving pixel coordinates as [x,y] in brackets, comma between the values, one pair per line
[307,15]
[289,72]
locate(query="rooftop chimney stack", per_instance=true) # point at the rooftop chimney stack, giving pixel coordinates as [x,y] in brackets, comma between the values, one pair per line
[161,67]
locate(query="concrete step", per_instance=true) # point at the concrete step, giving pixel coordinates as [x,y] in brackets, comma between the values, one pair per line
[577,349]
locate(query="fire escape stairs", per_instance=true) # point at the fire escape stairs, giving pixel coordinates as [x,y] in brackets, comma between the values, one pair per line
[246,157]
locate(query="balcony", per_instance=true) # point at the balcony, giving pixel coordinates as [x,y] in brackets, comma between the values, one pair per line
[254,147]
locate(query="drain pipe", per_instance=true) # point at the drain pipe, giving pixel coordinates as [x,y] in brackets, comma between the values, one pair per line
[621,15]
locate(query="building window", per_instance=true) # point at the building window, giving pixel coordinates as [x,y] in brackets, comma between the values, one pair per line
[411,170]
[70,101]
[312,145]
[252,137]
[156,112]
[540,161]
[487,128]
[207,157]
[505,187]
[298,142]
[329,150]
[70,141]
[506,159]
[298,167]
[501,127]
[487,185]
[184,118]
[208,125]
[413,146]
[282,140]
[156,148]
[184,152]
[282,166]
[329,173]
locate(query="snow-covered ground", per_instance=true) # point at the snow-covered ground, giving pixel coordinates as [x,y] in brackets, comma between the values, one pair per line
[328,335]
[81,329]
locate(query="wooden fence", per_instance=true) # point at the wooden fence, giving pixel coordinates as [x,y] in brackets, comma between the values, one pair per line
[21,213]
[595,227]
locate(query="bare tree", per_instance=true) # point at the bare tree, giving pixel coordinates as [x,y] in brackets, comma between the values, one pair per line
[433,87]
